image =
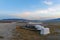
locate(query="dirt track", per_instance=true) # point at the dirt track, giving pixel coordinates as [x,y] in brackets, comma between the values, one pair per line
[6,30]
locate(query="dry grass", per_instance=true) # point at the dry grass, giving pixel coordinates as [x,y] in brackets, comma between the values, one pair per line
[26,34]
[53,28]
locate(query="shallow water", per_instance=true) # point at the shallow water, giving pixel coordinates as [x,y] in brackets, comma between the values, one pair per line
[6,30]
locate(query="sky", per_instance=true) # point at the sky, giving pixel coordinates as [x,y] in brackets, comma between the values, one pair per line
[30,9]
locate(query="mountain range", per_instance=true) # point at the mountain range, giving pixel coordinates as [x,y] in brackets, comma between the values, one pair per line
[52,20]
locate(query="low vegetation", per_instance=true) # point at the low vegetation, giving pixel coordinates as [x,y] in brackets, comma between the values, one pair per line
[27,34]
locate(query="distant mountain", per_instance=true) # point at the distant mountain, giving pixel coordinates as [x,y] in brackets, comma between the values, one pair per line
[21,20]
[53,20]
[26,20]
[14,19]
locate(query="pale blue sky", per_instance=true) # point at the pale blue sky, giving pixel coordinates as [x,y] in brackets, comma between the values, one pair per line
[30,9]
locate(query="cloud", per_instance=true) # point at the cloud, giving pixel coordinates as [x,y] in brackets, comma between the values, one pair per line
[48,2]
[41,11]
[49,13]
